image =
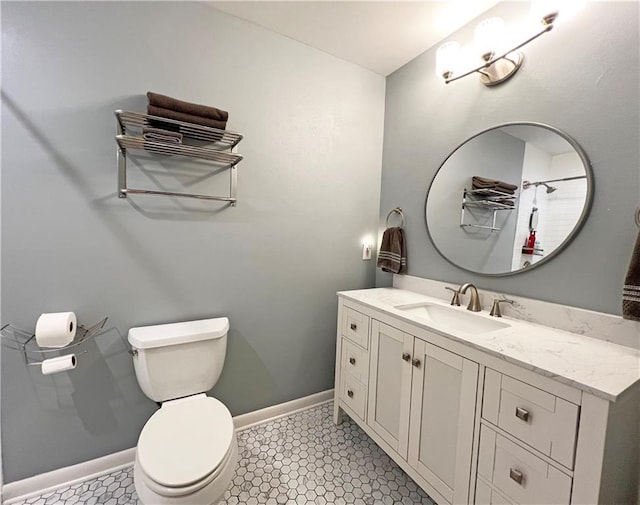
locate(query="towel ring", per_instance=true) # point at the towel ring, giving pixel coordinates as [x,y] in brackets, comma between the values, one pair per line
[637,217]
[397,210]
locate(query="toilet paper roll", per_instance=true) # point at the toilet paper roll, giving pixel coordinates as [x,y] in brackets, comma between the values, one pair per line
[56,329]
[59,364]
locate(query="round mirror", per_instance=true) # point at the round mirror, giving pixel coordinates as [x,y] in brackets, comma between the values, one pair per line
[509,198]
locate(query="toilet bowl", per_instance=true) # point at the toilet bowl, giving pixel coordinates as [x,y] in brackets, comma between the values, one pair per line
[186,454]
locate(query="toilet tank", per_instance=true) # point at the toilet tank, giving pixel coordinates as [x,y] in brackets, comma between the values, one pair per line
[179,359]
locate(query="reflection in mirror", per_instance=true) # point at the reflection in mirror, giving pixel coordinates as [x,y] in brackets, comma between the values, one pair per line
[509,198]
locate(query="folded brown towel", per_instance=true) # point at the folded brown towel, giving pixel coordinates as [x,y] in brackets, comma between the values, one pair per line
[187,118]
[166,102]
[393,251]
[163,125]
[160,135]
[631,291]
[484,183]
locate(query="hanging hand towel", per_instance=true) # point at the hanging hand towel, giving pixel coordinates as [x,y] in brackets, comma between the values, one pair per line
[631,292]
[393,251]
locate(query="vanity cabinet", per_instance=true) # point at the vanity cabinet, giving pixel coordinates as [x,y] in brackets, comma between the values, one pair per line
[470,427]
[420,403]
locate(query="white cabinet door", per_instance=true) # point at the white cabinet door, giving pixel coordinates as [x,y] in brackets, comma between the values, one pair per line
[390,385]
[443,403]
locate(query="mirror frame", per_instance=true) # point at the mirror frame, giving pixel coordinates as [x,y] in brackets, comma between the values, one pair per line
[576,229]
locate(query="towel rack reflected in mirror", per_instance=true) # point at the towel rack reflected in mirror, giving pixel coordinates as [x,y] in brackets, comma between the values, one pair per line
[398,211]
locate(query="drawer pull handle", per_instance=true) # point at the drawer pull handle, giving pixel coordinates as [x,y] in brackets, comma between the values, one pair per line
[352,361]
[406,356]
[522,414]
[516,475]
[350,393]
[416,363]
[353,326]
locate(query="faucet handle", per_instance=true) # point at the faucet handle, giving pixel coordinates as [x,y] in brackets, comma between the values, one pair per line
[495,309]
[456,296]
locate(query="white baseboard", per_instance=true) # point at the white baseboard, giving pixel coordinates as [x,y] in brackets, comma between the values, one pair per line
[244,421]
[70,475]
[67,476]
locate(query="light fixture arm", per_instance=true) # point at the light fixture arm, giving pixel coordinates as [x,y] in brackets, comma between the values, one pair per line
[547,26]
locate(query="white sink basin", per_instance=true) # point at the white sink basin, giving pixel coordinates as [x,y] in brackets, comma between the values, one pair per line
[457,319]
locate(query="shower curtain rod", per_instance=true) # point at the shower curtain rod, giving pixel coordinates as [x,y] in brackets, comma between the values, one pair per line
[526,184]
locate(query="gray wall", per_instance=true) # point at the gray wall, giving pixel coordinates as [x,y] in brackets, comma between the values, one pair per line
[493,155]
[582,77]
[308,192]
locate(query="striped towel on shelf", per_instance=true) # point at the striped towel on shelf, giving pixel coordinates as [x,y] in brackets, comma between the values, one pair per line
[161,135]
[393,251]
[631,291]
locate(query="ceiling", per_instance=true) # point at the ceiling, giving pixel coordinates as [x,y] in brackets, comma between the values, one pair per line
[378,35]
[542,138]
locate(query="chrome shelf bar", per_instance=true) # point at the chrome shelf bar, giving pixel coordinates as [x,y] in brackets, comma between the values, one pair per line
[492,228]
[488,204]
[133,191]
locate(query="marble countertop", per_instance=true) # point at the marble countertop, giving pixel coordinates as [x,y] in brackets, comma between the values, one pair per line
[601,368]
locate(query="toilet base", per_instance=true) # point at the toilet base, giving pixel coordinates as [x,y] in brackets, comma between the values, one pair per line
[209,494]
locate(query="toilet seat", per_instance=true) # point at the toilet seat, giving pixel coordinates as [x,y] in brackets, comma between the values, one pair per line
[170,493]
[185,445]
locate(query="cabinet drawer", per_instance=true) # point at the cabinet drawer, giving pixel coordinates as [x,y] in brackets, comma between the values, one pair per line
[355,361]
[540,419]
[354,394]
[355,326]
[487,496]
[518,474]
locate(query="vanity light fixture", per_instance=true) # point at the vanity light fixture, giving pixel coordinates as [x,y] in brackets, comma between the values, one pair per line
[497,64]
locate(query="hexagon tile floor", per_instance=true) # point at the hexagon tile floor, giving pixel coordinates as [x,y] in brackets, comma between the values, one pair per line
[301,459]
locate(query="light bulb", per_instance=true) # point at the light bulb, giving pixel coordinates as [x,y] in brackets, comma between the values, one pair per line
[447,58]
[546,11]
[488,37]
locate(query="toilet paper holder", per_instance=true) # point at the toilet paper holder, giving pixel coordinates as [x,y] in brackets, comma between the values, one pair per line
[33,355]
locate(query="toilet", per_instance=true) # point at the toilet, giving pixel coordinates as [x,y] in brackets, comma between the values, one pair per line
[187,451]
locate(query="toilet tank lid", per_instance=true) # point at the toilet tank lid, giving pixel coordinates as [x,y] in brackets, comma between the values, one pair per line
[160,335]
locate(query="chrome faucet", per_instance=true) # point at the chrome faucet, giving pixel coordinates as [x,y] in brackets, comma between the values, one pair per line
[474,301]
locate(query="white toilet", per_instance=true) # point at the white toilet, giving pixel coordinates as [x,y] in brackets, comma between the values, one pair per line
[187,452]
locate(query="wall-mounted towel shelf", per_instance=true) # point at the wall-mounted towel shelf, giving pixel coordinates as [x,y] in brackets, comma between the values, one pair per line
[486,199]
[25,341]
[204,143]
